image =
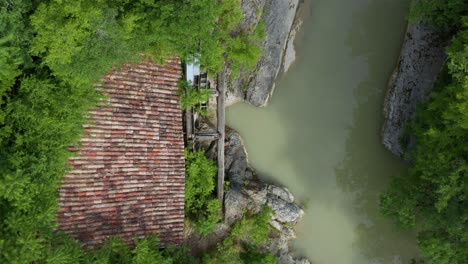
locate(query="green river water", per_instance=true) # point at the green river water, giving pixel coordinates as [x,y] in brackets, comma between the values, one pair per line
[320,133]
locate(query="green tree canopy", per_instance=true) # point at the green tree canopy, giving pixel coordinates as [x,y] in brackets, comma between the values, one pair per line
[433,197]
[52,53]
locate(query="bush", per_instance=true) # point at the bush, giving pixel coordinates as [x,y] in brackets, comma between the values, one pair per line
[241,245]
[255,228]
[200,205]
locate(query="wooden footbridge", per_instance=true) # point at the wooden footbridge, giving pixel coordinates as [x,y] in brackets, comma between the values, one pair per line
[193,135]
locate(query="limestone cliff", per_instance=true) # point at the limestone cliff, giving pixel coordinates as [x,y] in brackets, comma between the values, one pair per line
[421,59]
[279,16]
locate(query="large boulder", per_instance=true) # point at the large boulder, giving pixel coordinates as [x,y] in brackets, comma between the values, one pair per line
[421,60]
[285,212]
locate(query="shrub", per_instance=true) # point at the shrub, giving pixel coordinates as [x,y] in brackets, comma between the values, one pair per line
[200,205]
[241,245]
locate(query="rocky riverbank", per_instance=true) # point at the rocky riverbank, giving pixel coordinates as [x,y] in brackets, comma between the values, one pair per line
[421,59]
[280,18]
[246,191]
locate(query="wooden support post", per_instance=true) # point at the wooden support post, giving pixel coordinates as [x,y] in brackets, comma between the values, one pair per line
[188,123]
[221,130]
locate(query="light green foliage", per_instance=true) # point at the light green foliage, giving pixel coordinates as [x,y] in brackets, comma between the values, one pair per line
[231,45]
[9,64]
[199,180]
[432,198]
[114,250]
[41,120]
[191,98]
[200,204]
[444,14]
[241,245]
[207,219]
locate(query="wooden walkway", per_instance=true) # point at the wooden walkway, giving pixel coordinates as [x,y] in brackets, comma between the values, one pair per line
[201,82]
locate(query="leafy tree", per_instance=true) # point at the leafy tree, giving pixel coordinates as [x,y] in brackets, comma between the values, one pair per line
[241,245]
[432,198]
[200,204]
[252,255]
[444,14]
[255,228]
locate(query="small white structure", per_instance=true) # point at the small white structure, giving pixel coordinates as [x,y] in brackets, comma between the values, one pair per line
[192,70]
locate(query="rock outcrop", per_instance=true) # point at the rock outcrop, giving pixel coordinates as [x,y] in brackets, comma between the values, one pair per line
[256,87]
[247,192]
[421,60]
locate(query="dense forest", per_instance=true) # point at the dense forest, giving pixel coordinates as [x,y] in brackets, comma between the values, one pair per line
[52,53]
[432,197]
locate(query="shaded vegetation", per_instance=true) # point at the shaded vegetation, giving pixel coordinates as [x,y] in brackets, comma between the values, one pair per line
[443,14]
[241,245]
[432,198]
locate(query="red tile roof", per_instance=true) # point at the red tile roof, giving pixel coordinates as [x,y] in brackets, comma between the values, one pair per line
[128,176]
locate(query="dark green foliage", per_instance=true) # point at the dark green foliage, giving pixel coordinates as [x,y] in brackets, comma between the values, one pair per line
[41,120]
[201,207]
[433,197]
[145,251]
[241,245]
[227,252]
[255,228]
[252,255]
[444,14]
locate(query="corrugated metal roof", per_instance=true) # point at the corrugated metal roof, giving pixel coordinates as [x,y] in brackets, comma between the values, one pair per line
[128,176]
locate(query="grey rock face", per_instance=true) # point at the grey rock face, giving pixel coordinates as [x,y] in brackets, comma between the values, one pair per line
[279,19]
[421,60]
[285,211]
[235,201]
[288,259]
[246,192]
[281,192]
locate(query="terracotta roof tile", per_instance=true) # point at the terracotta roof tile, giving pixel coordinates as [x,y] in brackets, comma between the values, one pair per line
[128,176]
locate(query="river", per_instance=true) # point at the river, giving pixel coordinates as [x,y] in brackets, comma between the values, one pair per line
[320,133]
